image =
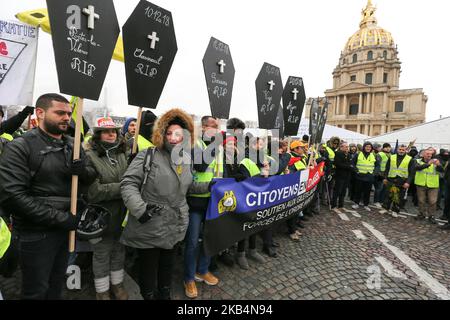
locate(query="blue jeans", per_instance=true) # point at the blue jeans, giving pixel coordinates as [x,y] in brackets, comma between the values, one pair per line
[194,256]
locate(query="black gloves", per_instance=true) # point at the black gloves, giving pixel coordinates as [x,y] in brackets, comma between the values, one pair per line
[71,222]
[240,177]
[28,110]
[151,210]
[77,167]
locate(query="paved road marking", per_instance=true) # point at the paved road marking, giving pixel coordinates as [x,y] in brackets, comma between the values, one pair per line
[344,217]
[354,213]
[438,289]
[390,269]
[359,235]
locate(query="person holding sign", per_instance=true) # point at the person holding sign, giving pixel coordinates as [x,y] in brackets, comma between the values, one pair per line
[154,190]
[106,150]
[298,162]
[35,186]
[256,164]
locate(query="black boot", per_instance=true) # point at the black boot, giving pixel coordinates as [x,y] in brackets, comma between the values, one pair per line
[164,293]
[270,251]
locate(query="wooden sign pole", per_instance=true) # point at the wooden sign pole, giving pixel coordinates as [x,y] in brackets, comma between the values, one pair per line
[76,156]
[138,128]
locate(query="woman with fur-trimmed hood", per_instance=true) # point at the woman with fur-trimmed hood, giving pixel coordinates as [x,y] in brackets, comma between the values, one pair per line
[156,199]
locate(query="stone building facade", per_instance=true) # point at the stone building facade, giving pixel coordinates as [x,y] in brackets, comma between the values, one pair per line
[366,97]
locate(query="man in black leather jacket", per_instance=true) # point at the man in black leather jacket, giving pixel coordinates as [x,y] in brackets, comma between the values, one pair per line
[35,186]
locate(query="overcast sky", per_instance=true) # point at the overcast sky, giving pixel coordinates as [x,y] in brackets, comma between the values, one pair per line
[302,37]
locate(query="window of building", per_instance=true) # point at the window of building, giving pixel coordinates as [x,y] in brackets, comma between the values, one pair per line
[399,106]
[369,77]
[355,58]
[353,78]
[354,108]
[370,55]
[385,54]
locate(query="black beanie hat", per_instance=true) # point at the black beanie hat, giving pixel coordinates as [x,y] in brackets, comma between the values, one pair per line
[147,123]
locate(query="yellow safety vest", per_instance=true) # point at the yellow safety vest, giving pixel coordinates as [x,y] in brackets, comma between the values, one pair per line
[144,144]
[7,136]
[331,153]
[366,165]
[428,177]
[5,237]
[402,170]
[300,165]
[252,168]
[209,174]
[384,159]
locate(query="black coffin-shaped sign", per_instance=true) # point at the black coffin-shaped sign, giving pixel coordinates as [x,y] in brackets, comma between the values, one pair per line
[269,88]
[279,124]
[84,34]
[293,101]
[150,47]
[314,118]
[322,122]
[219,74]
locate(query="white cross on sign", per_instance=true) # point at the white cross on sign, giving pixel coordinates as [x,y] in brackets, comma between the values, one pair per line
[154,39]
[295,92]
[222,65]
[90,12]
[271,84]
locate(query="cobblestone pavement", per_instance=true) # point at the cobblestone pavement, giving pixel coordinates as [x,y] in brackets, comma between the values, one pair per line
[354,255]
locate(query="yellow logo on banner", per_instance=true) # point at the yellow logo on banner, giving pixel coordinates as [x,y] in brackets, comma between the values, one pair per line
[227,203]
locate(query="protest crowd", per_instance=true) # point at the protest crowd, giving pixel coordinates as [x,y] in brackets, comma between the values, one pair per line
[160,191]
[145,207]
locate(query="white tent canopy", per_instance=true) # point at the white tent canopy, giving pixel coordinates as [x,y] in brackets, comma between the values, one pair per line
[330,131]
[431,134]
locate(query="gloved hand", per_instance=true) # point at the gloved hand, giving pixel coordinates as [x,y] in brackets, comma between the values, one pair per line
[151,210]
[71,222]
[213,182]
[239,177]
[77,167]
[28,110]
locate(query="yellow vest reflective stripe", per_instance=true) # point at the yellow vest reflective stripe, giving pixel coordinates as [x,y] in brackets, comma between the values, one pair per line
[5,237]
[402,170]
[7,136]
[428,177]
[144,144]
[366,165]
[384,159]
[251,167]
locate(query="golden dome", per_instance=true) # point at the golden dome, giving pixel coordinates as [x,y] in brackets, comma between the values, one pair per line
[369,34]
